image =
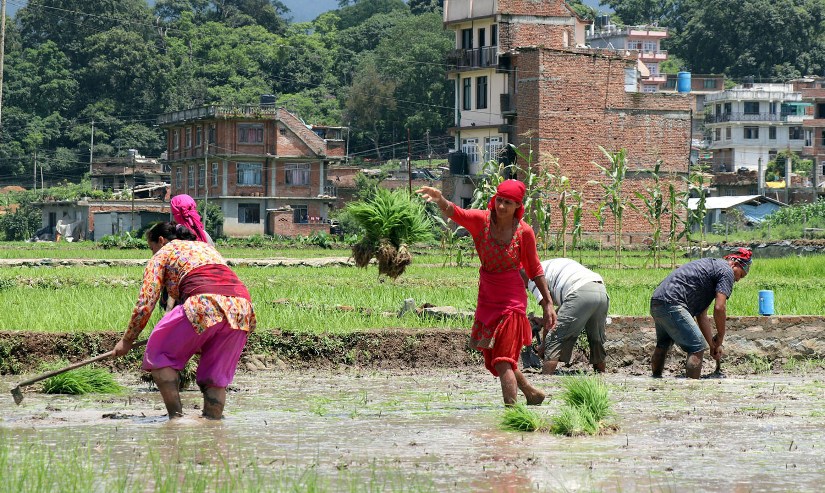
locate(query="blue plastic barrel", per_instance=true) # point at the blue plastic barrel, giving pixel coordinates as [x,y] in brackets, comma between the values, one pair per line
[683,82]
[766,302]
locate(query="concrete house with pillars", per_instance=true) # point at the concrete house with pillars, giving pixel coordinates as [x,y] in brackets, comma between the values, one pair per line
[556,97]
[265,168]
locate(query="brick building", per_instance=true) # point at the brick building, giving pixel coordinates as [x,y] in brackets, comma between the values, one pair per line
[265,168]
[566,100]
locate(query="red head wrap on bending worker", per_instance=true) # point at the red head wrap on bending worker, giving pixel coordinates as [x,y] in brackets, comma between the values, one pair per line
[512,190]
[742,258]
[185,212]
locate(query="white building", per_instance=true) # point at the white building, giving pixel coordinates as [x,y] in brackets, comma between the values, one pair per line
[748,125]
[642,40]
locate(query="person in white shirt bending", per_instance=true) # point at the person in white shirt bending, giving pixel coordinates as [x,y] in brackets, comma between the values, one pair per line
[583,303]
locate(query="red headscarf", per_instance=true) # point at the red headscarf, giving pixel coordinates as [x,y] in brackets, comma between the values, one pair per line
[513,190]
[185,211]
[742,258]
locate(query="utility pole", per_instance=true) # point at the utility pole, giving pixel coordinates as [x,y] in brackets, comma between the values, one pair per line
[205,185]
[134,156]
[2,49]
[34,184]
[409,161]
[91,149]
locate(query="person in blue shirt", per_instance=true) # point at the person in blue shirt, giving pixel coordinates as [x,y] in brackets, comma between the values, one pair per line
[679,307]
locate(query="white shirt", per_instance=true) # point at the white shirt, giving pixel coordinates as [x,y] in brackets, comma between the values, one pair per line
[563,276]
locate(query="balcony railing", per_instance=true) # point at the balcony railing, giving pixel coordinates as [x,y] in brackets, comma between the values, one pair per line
[746,117]
[475,58]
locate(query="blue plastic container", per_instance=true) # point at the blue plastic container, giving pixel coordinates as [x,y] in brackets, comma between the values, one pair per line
[766,302]
[683,82]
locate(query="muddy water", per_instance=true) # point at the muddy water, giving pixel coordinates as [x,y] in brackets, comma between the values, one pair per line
[753,433]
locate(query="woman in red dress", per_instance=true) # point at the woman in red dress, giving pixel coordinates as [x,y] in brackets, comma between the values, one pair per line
[505,243]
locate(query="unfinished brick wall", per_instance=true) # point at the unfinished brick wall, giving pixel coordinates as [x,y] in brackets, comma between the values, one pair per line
[570,102]
[514,35]
[552,8]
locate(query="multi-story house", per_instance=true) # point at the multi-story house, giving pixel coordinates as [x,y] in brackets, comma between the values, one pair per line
[484,104]
[813,93]
[144,177]
[640,41]
[265,168]
[749,124]
[556,98]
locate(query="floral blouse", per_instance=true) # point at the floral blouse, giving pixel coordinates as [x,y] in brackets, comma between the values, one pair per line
[166,269]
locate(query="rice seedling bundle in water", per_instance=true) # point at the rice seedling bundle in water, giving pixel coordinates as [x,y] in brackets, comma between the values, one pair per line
[82,381]
[520,418]
[391,220]
[586,407]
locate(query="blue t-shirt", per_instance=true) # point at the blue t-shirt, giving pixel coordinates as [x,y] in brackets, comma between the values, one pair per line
[695,284]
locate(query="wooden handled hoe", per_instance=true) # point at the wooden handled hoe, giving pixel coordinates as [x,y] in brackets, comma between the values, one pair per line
[18,394]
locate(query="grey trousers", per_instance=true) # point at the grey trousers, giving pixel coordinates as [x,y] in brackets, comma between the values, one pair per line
[584,309]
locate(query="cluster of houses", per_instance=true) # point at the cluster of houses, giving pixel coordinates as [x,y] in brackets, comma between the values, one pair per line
[534,75]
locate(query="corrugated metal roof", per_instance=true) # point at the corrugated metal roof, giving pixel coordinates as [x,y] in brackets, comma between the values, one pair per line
[712,203]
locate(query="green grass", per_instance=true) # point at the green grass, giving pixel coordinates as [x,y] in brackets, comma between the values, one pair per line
[340,299]
[91,465]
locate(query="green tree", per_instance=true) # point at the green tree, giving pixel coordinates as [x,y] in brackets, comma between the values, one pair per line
[361,10]
[370,103]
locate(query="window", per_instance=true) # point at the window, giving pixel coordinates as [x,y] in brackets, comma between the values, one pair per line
[282,130]
[468,94]
[709,84]
[250,133]
[481,92]
[297,174]
[300,214]
[820,110]
[466,39]
[198,136]
[214,174]
[772,108]
[175,139]
[494,35]
[650,46]
[649,88]
[201,175]
[727,108]
[795,133]
[179,176]
[482,37]
[653,67]
[470,148]
[823,137]
[809,138]
[772,133]
[634,45]
[751,107]
[190,176]
[249,213]
[212,133]
[249,174]
[717,134]
[492,148]
[751,133]
[188,140]
[727,133]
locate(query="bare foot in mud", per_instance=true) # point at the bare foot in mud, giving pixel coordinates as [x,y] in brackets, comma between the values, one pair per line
[535,399]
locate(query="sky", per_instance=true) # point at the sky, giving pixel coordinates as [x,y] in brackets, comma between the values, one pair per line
[301,10]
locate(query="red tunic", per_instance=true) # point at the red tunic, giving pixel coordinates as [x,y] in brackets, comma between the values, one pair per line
[501,327]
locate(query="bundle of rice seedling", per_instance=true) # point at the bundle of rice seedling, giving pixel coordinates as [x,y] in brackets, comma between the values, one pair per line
[82,381]
[586,407]
[390,220]
[520,418]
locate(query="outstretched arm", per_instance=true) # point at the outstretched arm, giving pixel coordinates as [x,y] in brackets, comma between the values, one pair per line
[434,195]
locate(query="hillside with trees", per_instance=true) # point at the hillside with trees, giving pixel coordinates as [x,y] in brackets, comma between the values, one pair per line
[104,70]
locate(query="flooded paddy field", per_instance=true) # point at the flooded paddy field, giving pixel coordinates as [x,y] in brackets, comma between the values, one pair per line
[434,430]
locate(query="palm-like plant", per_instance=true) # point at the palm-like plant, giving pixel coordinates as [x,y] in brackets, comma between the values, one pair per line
[391,220]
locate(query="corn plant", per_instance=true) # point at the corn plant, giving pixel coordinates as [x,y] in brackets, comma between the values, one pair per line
[578,210]
[615,200]
[653,210]
[696,217]
[675,204]
[600,216]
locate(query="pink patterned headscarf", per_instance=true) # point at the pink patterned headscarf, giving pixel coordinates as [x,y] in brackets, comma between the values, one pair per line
[185,211]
